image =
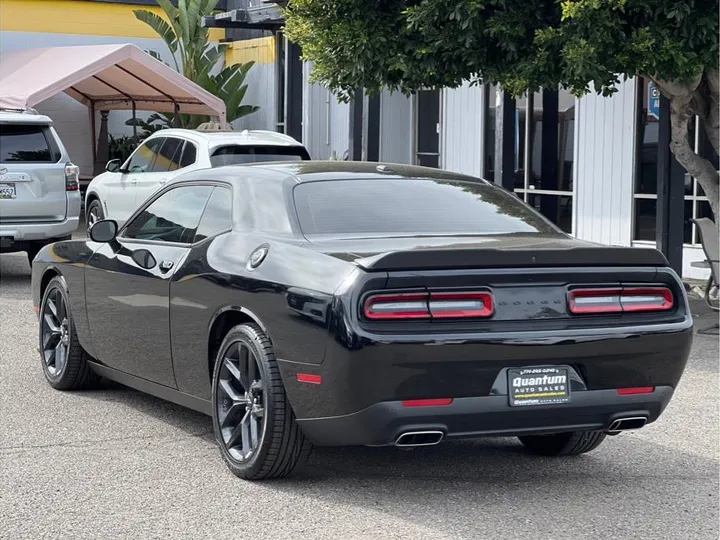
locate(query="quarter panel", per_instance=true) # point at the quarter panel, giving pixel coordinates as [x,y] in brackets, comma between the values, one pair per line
[289,294]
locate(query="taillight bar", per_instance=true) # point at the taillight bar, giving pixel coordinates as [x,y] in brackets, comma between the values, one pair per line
[72,177]
[429,305]
[619,300]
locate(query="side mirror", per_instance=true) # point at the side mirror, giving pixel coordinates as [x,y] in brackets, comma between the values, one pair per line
[113,165]
[104,231]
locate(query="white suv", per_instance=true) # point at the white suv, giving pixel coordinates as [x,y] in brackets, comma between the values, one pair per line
[116,193]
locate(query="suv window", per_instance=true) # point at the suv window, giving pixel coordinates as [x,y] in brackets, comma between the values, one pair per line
[217,216]
[237,154]
[143,158]
[168,157]
[189,155]
[29,143]
[172,217]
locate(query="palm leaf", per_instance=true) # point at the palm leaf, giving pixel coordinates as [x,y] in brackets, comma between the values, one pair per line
[184,22]
[161,27]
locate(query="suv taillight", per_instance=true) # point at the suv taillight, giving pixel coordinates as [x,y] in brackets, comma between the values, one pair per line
[620,299]
[72,177]
[429,305]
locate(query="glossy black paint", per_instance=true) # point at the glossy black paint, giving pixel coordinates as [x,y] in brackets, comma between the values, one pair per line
[155,328]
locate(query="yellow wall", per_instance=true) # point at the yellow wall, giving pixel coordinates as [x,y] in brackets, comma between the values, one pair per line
[260,50]
[79,17]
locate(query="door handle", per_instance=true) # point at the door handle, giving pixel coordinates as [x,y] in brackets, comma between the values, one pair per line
[165,266]
[133,181]
[163,181]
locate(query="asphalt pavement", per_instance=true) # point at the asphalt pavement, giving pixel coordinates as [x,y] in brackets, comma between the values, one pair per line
[115,463]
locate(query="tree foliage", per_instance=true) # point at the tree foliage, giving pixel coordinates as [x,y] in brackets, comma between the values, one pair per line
[581,45]
[197,59]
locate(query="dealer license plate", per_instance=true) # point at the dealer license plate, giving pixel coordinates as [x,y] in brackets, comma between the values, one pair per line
[7,191]
[538,386]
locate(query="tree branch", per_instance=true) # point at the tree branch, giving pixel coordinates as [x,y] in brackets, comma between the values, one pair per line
[697,166]
[711,119]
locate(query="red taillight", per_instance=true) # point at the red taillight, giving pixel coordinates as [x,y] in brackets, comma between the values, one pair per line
[461,304]
[635,390]
[431,402]
[72,177]
[435,305]
[397,306]
[620,299]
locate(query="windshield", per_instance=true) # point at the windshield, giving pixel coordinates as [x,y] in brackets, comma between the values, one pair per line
[238,154]
[411,207]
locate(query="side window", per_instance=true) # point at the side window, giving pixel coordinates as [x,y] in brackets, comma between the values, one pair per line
[217,216]
[172,217]
[189,155]
[142,159]
[168,157]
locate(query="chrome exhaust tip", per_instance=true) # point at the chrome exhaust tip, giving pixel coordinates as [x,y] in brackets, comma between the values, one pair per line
[629,423]
[419,438]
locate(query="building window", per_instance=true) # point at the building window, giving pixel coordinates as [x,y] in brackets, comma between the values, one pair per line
[546,186]
[645,189]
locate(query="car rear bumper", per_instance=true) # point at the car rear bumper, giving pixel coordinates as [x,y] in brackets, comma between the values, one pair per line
[14,235]
[382,423]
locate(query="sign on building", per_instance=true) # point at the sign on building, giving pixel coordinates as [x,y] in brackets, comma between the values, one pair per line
[653,106]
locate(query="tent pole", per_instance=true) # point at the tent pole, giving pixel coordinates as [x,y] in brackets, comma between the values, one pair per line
[134,117]
[92,133]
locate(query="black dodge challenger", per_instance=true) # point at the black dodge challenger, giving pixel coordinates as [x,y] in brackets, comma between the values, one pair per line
[335,303]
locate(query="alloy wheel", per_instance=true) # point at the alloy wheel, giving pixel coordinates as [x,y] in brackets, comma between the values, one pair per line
[241,401]
[93,216]
[55,333]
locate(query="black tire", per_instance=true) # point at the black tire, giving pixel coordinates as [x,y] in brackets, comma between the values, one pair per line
[282,447]
[94,213]
[74,371]
[563,444]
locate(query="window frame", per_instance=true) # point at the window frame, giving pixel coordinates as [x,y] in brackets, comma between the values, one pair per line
[156,196]
[165,141]
[126,165]
[182,154]
[695,198]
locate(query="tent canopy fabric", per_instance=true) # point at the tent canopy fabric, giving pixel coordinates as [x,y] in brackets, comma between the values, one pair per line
[106,77]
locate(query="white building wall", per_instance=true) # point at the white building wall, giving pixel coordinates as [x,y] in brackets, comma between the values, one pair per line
[604,166]
[396,128]
[462,127]
[326,122]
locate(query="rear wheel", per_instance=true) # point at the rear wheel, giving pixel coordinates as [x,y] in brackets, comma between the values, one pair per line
[563,444]
[64,361]
[252,417]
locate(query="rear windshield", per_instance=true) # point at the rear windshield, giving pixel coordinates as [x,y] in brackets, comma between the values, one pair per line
[409,207]
[237,154]
[28,143]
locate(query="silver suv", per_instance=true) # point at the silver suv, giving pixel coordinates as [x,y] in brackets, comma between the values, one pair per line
[39,188]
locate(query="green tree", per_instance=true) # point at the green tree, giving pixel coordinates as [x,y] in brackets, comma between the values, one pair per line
[197,59]
[582,45]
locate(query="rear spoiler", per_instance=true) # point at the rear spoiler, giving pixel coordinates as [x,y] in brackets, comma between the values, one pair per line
[439,259]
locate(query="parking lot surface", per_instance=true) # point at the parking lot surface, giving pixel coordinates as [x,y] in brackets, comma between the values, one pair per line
[115,463]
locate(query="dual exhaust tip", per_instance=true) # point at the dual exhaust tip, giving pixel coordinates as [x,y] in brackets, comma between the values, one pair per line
[419,438]
[625,424]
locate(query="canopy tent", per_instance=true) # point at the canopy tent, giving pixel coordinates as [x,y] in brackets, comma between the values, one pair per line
[103,77]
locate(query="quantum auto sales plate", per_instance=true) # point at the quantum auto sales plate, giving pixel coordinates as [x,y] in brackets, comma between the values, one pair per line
[538,386]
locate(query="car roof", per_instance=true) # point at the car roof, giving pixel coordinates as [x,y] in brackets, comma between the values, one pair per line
[317,171]
[218,138]
[29,116]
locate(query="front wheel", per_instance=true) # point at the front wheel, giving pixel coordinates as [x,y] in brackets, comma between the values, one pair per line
[563,444]
[64,361]
[253,421]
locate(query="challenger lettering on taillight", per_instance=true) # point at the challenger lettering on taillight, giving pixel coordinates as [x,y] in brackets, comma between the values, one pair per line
[619,300]
[429,305]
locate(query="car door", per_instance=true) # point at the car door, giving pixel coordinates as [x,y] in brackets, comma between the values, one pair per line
[163,167]
[122,186]
[127,284]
